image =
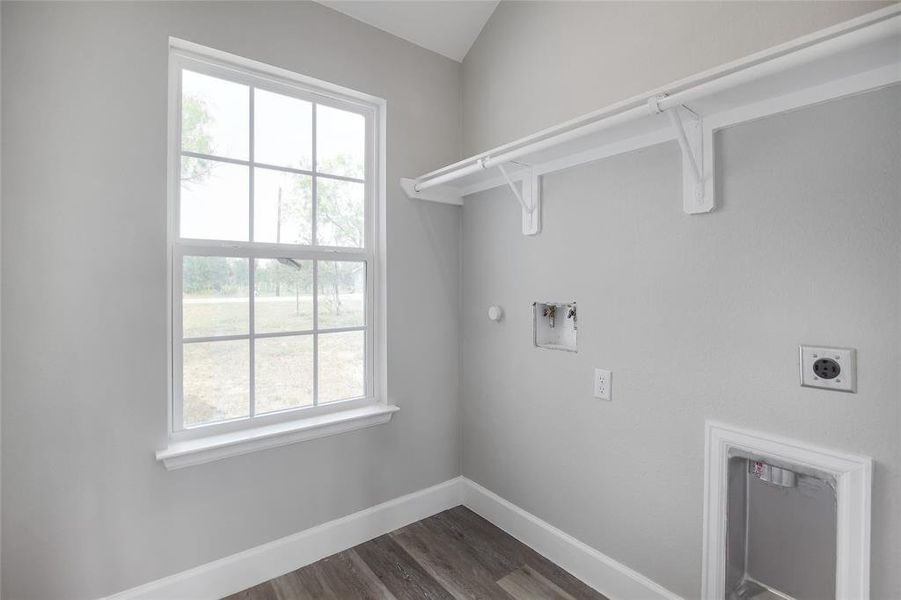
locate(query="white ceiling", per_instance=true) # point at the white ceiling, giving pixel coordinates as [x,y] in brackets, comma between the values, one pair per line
[446,27]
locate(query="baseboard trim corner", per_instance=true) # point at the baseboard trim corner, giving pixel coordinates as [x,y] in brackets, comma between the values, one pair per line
[608,576]
[246,569]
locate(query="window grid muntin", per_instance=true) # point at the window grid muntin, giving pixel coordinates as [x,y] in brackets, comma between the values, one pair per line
[252,262]
[315,293]
[314,174]
[227,248]
[242,162]
[314,238]
[252,335]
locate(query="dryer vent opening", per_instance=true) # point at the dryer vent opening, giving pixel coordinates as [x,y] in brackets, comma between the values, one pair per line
[781,531]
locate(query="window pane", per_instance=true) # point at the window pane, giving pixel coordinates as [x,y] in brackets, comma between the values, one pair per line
[339,213]
[282,207]
[342,294]
[215,296]
[341,366]
[214,116]
[284,372]
[340,142]
[283,295]
[216,381]
[214,200]
[282,130]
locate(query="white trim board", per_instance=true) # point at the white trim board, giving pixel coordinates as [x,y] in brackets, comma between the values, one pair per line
[853,474]
[256,565]
[234,443]
[245,569]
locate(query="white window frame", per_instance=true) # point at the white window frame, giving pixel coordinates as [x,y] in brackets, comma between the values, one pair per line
[206,442]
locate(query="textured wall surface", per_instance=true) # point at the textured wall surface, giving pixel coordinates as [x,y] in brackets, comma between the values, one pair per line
[698,317]
[87,511]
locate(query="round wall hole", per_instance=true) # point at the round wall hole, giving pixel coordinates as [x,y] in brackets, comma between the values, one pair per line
[826,368]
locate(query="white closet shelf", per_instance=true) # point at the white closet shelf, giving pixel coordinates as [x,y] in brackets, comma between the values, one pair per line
[853,57]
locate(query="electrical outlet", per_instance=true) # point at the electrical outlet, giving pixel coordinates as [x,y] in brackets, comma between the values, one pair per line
[829,368]
[602,384]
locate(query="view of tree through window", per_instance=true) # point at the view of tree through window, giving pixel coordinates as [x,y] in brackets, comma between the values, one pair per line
[275,327]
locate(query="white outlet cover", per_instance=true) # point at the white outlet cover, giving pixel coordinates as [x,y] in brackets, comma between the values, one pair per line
[603,383]
[845,358]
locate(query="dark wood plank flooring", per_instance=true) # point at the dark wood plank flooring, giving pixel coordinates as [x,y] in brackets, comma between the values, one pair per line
[454,555]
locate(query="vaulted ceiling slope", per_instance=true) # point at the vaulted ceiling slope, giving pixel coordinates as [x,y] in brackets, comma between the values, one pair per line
[446,27]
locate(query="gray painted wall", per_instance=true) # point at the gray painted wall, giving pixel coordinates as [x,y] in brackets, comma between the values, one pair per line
[664,298]
[698,317]
[87,511]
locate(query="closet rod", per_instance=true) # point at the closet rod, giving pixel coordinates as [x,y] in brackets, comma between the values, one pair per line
[820,46]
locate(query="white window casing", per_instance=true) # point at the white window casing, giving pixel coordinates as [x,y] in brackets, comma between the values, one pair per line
[189,445]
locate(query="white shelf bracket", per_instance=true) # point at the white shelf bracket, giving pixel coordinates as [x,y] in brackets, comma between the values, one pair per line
[529,197]
[689,131]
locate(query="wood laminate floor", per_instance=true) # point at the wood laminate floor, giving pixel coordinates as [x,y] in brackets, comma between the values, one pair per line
[453,555]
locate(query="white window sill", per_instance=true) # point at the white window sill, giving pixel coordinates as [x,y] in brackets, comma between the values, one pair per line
[203,450]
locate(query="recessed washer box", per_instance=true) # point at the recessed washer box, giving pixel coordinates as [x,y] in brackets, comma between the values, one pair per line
[829,368]
[555,325]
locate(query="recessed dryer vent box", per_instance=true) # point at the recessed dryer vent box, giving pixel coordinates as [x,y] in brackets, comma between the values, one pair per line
[555,325]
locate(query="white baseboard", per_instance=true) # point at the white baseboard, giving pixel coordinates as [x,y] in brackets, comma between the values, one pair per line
[245,569]
[250,567]
[611,578]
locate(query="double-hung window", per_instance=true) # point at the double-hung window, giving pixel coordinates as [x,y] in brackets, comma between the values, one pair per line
[274,242]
